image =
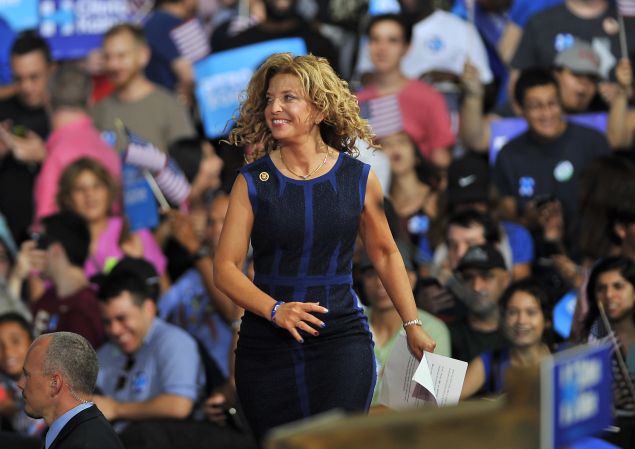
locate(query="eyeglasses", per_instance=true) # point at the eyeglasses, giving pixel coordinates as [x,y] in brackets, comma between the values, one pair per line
[123,376]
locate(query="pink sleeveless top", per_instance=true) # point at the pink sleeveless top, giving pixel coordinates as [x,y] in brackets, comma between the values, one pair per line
[108,249]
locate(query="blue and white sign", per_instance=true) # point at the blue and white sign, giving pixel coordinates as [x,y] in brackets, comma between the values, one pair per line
[503,130]
[563,313]
[72,27]
[20,14]
[376,7]
[222,77]
[576,395]
[139,203]
[75,27]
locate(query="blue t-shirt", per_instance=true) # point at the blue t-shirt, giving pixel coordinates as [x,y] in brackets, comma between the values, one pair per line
[164,50]
[7,35]
[520,241]
[522,10]
[188,306]
[491,26]
[519,12]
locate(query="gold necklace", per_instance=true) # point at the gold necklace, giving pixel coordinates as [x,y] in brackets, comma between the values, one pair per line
[311,173]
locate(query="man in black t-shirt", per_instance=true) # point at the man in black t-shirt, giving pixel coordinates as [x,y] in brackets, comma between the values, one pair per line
[556,29]
[481,270]
[548,158]
[24,128]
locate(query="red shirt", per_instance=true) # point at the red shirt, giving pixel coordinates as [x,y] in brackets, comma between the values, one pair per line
[424,114]
[77,313]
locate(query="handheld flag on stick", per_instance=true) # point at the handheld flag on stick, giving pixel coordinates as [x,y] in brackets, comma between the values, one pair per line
[173,183]
[145,156]
[191,40]
[625,8]
[164,176]
[618,353]
[383,115]
[142,152]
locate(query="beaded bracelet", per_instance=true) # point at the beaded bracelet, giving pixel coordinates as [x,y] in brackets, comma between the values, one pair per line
[412,323]
[274,310]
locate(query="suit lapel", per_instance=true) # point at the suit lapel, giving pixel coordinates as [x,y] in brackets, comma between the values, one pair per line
[90,413]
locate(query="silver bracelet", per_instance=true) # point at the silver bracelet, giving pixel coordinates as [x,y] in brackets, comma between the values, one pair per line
[412,323]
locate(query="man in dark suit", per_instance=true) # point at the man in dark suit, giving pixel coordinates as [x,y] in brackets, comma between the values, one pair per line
[59,376]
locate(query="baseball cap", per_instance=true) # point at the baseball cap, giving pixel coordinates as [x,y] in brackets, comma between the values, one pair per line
[482,257]
[468,179]
[581,58]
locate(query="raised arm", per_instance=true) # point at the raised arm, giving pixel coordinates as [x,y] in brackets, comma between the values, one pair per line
[473,128]
[620,127]
[384,254]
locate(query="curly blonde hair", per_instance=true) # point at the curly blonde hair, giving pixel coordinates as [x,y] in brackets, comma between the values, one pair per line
[329,94]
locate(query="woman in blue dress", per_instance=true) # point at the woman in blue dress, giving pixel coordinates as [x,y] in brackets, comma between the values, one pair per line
[304,345]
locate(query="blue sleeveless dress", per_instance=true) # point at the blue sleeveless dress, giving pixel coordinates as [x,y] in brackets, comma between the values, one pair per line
[303,238]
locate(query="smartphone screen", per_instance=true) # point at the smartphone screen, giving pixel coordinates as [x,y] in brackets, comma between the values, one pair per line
[19,130]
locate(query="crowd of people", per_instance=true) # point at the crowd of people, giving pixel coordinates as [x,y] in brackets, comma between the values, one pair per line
[453,169]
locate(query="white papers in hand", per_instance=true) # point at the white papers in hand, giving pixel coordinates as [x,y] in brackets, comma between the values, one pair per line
[409,384]
[442,376]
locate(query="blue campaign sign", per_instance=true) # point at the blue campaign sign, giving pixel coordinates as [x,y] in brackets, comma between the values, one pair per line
[576,395]
[503,130]
[376,7]
[140,206]
[72,27]
[563,313]
[222,77]
[20,14]
[75,27]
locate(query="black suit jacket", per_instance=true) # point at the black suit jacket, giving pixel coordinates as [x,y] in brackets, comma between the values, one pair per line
[87,430]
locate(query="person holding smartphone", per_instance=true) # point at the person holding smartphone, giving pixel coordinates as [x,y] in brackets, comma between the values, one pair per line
[24,126]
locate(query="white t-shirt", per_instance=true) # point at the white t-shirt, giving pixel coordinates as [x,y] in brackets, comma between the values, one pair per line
[440,42]
[378,161]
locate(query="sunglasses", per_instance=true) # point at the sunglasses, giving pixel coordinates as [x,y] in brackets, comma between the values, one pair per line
[123,376]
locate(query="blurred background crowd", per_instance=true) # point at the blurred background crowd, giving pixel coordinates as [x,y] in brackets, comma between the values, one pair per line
[506,156]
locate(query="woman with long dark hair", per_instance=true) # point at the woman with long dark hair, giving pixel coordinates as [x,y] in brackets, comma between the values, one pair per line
[526,322]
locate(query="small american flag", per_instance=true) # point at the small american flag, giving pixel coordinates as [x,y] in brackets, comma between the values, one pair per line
[140,9]
[173,183]
[626,8]
[191,40]
[383,115]
[170,178]
[145,156]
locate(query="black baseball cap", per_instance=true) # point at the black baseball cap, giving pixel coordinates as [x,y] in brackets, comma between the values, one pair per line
[468,179]
[482,257]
